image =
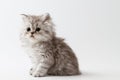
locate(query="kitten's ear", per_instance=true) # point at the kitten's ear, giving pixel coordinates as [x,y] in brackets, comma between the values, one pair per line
[24,16]
[45,17]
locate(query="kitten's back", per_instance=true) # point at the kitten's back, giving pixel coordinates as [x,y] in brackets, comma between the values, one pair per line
[65,59]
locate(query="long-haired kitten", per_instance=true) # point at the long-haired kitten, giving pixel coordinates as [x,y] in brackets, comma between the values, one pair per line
[49,54]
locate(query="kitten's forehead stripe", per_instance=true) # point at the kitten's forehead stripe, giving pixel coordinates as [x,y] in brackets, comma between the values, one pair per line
[34,20]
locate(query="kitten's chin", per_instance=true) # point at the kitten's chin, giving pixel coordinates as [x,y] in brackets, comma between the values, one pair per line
[32,40]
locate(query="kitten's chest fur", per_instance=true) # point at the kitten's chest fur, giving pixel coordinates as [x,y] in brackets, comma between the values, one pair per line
[35,52]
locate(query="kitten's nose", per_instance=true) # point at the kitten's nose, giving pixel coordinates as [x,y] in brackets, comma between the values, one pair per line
[32,32]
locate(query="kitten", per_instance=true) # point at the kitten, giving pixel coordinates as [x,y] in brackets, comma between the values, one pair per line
[49,54]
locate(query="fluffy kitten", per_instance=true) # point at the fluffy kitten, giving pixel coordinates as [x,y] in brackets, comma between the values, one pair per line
[49,54]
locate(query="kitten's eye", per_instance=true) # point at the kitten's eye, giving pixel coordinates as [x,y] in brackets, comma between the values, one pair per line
[28,29]
[37,29]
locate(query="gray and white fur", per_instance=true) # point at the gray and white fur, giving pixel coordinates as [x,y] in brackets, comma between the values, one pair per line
[49,54]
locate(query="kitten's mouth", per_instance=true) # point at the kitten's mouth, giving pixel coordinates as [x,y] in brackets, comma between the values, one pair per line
[32,36]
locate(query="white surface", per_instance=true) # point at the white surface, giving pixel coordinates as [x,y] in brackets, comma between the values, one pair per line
[91,27]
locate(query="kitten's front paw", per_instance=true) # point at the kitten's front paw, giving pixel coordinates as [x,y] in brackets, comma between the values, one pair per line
[31,71]
[38,74]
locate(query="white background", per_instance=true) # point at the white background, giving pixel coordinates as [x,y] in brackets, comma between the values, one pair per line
[91,28]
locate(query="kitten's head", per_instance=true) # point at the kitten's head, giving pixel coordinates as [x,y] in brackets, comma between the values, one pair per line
[38,28]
